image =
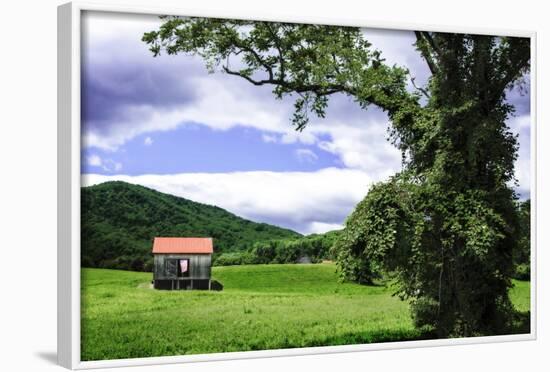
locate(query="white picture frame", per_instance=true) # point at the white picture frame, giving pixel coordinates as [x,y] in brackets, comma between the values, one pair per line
[69,147]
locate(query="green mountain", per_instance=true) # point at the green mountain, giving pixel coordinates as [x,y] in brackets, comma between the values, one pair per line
[120,220]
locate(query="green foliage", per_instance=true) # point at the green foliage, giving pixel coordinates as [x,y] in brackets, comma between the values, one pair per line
[261,307]
[314,61]
[119,222]
[371,231]
[523,272]
[449,252]
[446,227]
[233,258]
[522,255]
[314,247]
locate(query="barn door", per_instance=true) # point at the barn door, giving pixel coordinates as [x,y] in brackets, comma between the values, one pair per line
[171,268]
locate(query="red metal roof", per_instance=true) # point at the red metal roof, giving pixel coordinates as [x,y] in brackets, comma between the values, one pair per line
[183,245]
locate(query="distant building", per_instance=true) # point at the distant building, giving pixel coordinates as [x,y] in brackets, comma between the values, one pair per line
[304,260]
[182,263]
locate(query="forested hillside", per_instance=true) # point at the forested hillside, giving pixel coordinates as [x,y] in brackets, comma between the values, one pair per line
[119,221]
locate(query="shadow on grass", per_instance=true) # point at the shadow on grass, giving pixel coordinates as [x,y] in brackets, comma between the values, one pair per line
[520,324]
[372,337]
[350,338]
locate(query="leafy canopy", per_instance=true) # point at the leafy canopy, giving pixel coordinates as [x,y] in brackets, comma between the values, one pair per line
[309,61]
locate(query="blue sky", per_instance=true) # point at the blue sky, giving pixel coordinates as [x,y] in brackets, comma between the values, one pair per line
[166,123]
[199,148]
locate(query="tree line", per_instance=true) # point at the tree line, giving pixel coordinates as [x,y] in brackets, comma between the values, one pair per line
[308,249]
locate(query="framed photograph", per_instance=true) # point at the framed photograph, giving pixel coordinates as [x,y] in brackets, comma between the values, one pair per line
[237,186]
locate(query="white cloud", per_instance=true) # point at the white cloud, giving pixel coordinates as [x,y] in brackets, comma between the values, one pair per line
[103,27]
[321,227]
[267,138]
[520,123]
[521,126]
[397,49]
[148,141]
[306,155]
[140,120]
[362,146]
[94,160]
[108,165]
[523,175]
[219,104]
[292,136]
[307,202]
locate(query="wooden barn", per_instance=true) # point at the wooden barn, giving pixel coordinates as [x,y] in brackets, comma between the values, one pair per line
[182,263]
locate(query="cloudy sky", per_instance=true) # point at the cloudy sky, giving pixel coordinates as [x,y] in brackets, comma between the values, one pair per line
[167,124]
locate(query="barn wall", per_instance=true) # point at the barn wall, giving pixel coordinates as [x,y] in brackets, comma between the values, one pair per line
[199,266]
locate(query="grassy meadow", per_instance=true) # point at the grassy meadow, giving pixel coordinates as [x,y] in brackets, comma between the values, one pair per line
[261,307]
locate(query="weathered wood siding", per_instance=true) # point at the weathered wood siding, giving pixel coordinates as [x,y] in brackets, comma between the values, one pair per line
[199,266]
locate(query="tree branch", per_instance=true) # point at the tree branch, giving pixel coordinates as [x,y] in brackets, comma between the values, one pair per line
[420,41]
[515,63]
[431,41]
[248,78]
[277,43]
[317,89]
[420,89]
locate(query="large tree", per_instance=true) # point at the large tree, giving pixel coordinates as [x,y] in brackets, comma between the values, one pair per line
[445,226]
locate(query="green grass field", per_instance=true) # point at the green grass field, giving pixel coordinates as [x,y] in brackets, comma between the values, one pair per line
[261,307]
